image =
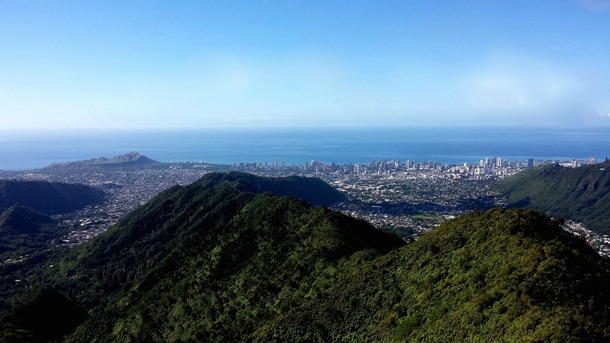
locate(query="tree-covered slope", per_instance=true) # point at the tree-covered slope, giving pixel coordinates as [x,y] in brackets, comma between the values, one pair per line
[498,276]
[200,264]
[223,285]
[47,317]
[116,260]
[48,197]
[581,194]
[23,230]
[21,220]
[312,190]
[24,235]
[281,271]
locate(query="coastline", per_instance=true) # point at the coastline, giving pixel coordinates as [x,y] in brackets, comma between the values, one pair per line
[25,150]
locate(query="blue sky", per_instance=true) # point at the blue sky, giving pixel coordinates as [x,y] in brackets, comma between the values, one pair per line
[153,64]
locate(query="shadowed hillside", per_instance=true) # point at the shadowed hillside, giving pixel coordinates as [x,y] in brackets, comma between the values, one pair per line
[48,197]
[47,317]
[312,190]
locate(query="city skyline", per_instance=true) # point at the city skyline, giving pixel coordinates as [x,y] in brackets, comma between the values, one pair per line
[114,65]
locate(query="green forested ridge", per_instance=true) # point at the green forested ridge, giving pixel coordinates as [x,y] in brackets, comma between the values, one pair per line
[310,189]
[119,258]
[21,220]
[48,197]
[23,230]
[24,235]
[581,194]
[201,264]
[222,285]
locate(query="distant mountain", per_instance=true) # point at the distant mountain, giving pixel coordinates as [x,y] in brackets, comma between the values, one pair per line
[581,194]
[132,160]
[48,197]
[312,190]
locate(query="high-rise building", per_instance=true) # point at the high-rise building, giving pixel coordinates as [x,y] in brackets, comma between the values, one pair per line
[530,163]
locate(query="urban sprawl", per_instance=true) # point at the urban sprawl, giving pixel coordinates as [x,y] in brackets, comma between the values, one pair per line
[408,198]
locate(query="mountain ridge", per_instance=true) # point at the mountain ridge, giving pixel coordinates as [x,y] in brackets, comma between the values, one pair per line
[313,190]
[219,264]
[581,194]
[19,220]
[48,197]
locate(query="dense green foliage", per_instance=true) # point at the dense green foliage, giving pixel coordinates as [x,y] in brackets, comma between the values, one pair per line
[201,264]
[581,194]
[48,197]
[221,285]
[23,230]
[21,220]
[485,277]
[121,257]
[25,237]
[310,189]
[47,317]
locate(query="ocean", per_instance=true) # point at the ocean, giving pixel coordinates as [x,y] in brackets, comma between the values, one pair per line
[24,150]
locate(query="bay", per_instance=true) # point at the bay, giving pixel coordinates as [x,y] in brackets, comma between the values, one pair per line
[23,150]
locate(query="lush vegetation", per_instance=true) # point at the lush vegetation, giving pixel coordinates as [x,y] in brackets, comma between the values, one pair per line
[581,194]
[48,197]
[23,230]
[201,264]
[47,317]
[310,189]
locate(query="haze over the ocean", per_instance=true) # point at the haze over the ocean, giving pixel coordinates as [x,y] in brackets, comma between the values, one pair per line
[206,64]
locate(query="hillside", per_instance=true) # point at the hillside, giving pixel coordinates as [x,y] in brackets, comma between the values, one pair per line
[48,197]
[23,231]
[132,160]
[581,194]
[283,272]
[313,190]
[221,265]
[20,220]
[48,316]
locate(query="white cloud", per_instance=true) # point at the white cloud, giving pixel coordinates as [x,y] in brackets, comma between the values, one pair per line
[513,84]
[596,5]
